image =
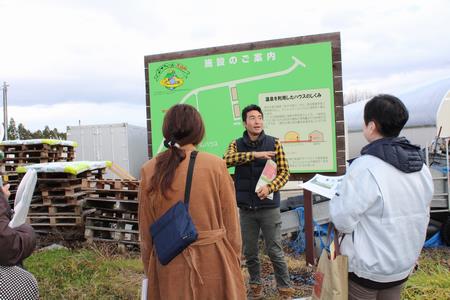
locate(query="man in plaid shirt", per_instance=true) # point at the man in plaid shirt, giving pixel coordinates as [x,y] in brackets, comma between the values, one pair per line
[257,212]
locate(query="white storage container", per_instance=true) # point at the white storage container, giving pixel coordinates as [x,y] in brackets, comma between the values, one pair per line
[122,143]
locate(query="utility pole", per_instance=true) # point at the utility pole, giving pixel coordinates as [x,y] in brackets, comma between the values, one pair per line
[5,109]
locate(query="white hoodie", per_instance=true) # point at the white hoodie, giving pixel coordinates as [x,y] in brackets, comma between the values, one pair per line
[384,213]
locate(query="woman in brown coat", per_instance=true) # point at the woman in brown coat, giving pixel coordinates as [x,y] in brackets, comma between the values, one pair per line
[210,267]
[16,244]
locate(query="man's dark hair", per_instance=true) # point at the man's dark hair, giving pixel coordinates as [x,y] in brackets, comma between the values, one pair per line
[388,113]
[250,108]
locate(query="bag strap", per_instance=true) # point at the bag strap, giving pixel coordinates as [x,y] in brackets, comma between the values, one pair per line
[187,189]
[337,245]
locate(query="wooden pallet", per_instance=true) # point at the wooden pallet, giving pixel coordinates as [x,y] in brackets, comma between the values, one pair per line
[57,210]
[51,182]
[112,204]
[11,182]
[107,234]
[42,158]
[48,184]
[114,194]
[94,174]
[10,176]
[112,223]
[115,214]
[36,147]
[112,184]
[46,220]
[63,199]
[6,168]
[37,153]
[12,186]
[67,191]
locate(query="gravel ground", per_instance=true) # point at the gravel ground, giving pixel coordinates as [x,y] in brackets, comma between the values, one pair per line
[302,276]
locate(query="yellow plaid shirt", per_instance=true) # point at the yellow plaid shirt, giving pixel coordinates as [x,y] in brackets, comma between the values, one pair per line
[233,158]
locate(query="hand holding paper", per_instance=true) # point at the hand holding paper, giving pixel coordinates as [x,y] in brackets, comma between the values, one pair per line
[263,192]
[268,174]
[5,190]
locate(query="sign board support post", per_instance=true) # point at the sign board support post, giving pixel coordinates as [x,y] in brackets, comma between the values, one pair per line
[309,229]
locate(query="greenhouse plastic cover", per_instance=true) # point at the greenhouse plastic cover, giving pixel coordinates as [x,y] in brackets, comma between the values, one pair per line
[39,141]
[423,104]
[71,167]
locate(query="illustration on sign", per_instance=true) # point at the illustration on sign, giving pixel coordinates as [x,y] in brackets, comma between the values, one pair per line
[172,76]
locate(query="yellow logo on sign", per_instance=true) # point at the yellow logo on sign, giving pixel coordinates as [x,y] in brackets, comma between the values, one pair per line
[171,81]
[172,75]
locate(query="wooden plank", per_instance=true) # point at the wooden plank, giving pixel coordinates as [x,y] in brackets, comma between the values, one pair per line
[111,213]
[45,220]
[57,210]
[98,239]
[113,194]
[333,37]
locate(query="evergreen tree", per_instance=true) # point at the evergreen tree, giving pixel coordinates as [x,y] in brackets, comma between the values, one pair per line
[58,135]
[37,134]
[47,133]
[24,134]
[20,132]
[13,133]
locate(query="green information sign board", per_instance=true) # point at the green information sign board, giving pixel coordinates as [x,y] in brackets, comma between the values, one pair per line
[293,84]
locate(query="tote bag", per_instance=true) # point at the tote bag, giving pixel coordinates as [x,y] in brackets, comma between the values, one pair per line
[331,278]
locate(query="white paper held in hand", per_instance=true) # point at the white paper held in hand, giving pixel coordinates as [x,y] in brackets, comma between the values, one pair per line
[326,186]
[268,174]
[144,288]
[23,198]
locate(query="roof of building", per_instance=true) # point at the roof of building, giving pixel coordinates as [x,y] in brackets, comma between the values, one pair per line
[423,103]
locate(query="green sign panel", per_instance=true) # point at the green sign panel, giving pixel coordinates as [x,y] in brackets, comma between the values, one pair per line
[292,84]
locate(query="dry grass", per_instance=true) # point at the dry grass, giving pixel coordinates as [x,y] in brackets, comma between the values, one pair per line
[92,272]
[99,272]
[432,279]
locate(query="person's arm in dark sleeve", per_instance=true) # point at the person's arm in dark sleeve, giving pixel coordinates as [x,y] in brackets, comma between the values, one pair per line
[16,244]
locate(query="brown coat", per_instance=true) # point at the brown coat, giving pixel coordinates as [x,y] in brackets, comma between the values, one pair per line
[210,267]
[16,244]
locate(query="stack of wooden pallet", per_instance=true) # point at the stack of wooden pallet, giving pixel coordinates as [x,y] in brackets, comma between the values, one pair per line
[114,212]
[25,152]
[58,197]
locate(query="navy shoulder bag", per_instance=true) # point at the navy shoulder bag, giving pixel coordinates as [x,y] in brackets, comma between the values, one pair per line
[174,230]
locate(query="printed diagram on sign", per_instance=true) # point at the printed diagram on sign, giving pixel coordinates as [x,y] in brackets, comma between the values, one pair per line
[315,136]
[232,86]
[302,120]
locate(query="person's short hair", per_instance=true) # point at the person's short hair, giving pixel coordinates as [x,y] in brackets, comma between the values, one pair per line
[388,113]
[250,108]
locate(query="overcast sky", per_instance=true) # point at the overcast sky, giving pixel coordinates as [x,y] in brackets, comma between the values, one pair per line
[83,61]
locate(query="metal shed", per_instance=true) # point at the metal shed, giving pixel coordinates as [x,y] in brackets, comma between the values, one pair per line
[121,143]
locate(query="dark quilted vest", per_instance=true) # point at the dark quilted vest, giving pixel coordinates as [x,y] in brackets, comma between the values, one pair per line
[247,175]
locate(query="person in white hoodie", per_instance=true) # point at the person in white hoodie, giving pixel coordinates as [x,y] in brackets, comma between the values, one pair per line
[383,204]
